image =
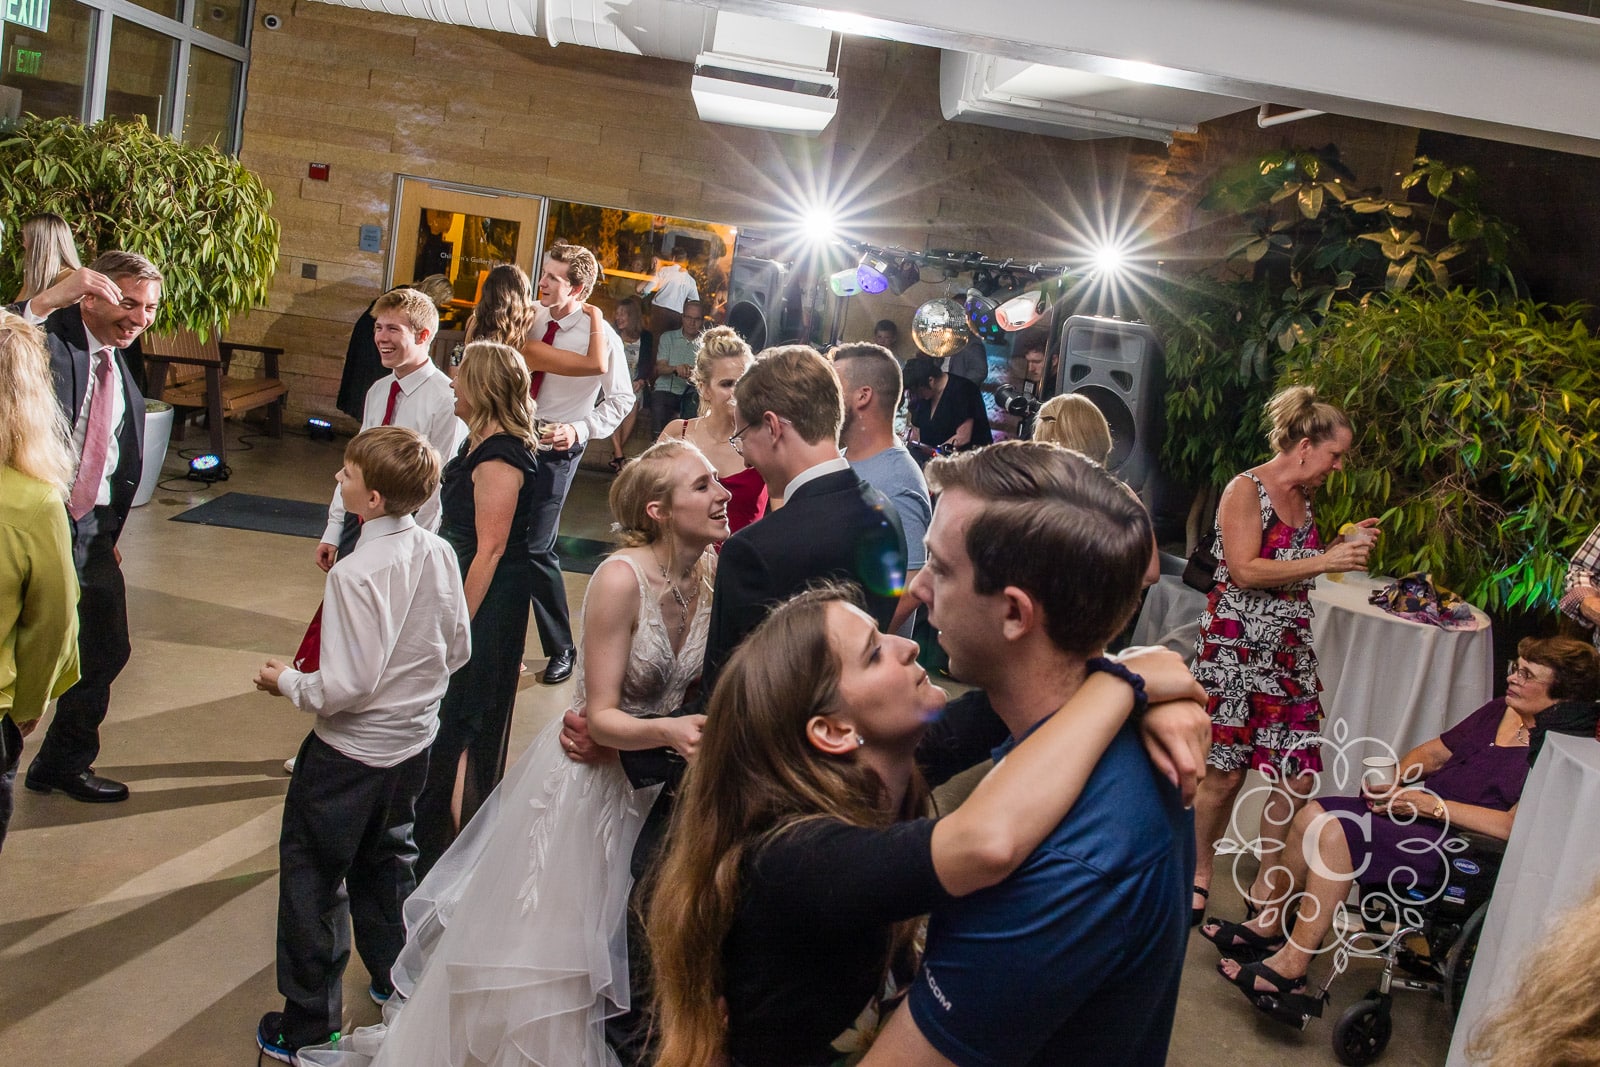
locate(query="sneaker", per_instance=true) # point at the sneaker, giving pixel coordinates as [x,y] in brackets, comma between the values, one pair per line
[270,1039]
[288,765]
[379,997]
[274,1044]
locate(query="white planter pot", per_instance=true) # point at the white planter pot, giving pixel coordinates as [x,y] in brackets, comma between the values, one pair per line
[157,431]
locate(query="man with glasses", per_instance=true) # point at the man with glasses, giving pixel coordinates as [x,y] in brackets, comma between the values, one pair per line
[675,395]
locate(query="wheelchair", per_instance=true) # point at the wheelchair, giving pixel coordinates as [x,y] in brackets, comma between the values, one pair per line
[1426,945]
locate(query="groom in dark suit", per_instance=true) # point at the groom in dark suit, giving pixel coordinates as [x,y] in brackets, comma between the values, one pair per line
[88,320]
[832,525]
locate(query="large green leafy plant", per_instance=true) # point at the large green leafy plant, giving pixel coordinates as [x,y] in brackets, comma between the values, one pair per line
[198,214]
[1476,420]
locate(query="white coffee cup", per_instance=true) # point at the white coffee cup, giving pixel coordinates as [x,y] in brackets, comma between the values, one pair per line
[1379,774]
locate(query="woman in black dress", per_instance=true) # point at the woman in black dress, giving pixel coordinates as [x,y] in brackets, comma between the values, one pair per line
[947,411]
[485,497]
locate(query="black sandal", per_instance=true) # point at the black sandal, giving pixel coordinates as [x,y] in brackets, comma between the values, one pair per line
[1198,915]
[1288,1000]
[1238,942]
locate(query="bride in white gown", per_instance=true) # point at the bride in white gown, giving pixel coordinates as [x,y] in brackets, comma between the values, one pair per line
[516,947]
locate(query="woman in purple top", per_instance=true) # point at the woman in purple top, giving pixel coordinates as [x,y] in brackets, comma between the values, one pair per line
[1469,778]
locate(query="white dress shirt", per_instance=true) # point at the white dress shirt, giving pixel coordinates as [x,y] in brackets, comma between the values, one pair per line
[595,404]
[394,628]
[427,405]
[673,287]
[813,472]
[119,410]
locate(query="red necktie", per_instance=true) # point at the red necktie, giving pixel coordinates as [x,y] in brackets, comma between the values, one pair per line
[537,380]
[96,438]
[394,398]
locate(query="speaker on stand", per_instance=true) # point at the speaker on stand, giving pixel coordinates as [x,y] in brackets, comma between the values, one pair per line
[1120,368]
[755,299]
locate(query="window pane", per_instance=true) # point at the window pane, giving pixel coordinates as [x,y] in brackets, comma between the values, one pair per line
[142,75]
[49,67]
[211,100]
[169,8]
[222,18]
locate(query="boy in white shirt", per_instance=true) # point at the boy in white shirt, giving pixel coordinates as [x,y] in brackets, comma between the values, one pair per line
[394,627]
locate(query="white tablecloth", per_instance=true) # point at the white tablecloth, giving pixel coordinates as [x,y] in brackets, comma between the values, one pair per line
[1551,864]
[1383,677]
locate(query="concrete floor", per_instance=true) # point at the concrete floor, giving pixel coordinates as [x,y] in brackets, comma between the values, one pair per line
[141,933]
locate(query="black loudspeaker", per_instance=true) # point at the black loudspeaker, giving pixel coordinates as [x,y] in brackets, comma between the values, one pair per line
[1119,366]
[755,299]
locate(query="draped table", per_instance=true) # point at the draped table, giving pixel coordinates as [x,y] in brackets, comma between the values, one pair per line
[1551,864]
[1383,677]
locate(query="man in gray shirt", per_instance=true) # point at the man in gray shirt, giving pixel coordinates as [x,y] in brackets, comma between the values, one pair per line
[870,377]
[675,353]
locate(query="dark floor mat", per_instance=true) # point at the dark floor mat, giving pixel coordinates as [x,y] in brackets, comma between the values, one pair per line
[300,518]
[268,514]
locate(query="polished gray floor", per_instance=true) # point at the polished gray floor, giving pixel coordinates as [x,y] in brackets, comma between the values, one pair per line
[142,933]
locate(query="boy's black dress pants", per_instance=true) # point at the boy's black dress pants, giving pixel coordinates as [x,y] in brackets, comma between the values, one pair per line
[346,857]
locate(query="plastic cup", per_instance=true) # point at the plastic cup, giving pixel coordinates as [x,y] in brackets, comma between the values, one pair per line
[1378,775]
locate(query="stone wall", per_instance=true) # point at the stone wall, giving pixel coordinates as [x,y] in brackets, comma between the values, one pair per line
[376,95]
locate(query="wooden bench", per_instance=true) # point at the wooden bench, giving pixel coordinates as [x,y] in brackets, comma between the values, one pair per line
[210,388]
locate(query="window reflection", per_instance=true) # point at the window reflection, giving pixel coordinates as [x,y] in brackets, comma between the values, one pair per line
[211,99]
[142,76]
[50,69]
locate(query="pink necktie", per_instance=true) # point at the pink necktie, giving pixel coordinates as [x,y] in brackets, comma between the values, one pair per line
[537,380]
[394,398]
[96,438]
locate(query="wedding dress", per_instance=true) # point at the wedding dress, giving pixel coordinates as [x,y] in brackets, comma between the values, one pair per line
[516,948]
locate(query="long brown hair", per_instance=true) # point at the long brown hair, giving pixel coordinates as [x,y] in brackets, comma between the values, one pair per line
[756,776]
[505,309]
[495,383]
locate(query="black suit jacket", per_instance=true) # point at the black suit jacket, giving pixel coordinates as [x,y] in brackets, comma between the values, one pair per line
[835,526]
[68,343]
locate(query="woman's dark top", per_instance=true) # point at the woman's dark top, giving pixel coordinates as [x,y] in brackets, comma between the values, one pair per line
[1478,772]
[960,401]
[458,507]
[811,936]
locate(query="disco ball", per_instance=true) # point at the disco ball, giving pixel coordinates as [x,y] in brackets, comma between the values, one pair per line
[939,328]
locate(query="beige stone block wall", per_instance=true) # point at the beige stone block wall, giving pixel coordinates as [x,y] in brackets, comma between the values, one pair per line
[376,95]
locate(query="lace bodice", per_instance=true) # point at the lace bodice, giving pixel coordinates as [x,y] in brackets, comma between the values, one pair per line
[655,680]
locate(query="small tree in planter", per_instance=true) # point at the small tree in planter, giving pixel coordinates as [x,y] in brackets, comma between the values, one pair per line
[199,215]
[1476,421]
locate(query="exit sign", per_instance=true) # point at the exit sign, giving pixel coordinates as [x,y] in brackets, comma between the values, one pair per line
[25,61]
[34,14]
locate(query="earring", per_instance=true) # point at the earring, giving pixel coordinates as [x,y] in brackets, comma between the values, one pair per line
[860,740]
[1302,461]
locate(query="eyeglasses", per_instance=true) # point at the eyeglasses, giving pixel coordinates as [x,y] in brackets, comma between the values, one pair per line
[738,446]
[1519,672]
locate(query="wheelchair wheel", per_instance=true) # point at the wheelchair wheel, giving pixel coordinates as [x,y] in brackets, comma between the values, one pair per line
[1458,962]
[1363,1031]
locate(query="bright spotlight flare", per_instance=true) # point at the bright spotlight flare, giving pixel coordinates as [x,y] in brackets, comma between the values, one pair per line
[1109,259]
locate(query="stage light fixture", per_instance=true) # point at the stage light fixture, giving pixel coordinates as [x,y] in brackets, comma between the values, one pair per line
[907,274]
[1020,312]
[1110,259]
[319,429]
[983,280]
[981,317]
[207,468]
[873,274]
[845,282]
[1009,282]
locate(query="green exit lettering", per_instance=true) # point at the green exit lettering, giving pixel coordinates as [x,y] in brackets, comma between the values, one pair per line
[34,14]
[25,61]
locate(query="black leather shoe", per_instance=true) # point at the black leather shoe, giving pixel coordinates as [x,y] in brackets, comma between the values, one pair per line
[86,786]
[559,669]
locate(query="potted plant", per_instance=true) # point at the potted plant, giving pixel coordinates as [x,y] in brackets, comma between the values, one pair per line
[197,214]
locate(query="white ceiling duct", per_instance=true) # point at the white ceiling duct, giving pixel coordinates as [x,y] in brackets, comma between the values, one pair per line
[755,77]
[665,29]
[506,16]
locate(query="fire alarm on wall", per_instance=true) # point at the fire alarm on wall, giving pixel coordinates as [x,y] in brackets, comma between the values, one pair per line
[318,172]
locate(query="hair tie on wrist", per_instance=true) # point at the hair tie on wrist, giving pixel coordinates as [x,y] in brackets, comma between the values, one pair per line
[1141,702]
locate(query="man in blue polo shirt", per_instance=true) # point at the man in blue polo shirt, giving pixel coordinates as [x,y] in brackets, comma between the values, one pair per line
[1035,560]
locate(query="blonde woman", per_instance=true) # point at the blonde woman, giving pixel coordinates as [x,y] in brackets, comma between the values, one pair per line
[516,949]
[721,361]
[485,499]
[38,585]
[48,253]
[1072,421]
